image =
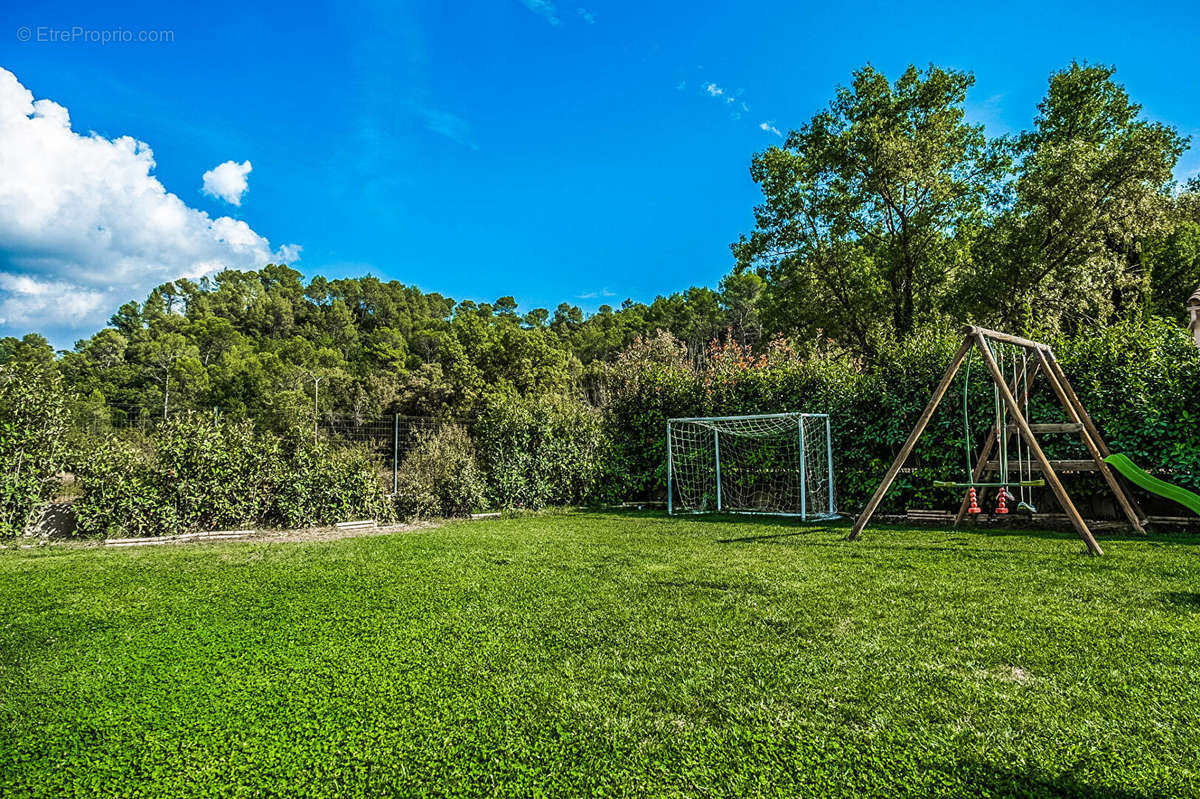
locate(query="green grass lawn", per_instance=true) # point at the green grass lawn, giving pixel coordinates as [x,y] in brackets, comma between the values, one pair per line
[605,654]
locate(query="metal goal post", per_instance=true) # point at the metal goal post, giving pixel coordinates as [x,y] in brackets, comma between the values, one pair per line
[777,464]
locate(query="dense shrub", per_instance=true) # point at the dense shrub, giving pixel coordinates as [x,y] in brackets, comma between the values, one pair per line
[538,451]
[32,428]
[124,492]
[323,484]
[1141,381]
[193,473]
[440,476]
[220,474]
[196,473]
[649,383]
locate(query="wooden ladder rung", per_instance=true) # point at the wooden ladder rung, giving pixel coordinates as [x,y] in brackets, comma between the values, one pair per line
[1058,466]
[1058,427]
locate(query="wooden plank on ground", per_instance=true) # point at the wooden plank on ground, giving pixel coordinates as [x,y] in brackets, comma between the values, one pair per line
[149,541]
[928,516]
[361,524]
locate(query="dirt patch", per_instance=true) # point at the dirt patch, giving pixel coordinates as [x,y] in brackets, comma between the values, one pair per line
[335,533]
[297,535]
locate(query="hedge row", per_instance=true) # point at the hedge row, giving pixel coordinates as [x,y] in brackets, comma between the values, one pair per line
[1139,381]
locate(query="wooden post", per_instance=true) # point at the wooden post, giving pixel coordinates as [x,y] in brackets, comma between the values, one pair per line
[1090,444]
[1047,470]
[907,449]
[1090,427]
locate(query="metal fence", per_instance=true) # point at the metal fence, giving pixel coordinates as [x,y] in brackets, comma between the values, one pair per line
[391,437]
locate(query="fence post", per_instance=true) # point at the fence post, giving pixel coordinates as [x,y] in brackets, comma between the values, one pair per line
[395,453]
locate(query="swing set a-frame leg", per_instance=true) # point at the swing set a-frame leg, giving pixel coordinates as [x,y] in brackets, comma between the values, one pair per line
[1090,428]
[1090,444]
[917,430]
[1047,470]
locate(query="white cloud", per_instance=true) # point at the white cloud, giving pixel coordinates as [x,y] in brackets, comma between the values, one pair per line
[446,124]
[227,181]
[728,97]
[733,102]
[544,9]
[594,295]
[586,16]
[85,226]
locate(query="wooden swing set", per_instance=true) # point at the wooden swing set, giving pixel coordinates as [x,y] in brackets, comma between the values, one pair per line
[1036,358]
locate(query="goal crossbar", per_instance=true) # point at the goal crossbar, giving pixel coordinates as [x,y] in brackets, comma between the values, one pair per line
[746,416]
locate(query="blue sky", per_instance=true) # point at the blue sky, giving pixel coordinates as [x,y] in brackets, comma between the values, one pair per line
[585,151]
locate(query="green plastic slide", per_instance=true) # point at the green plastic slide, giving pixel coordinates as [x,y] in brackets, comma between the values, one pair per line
[1152,484]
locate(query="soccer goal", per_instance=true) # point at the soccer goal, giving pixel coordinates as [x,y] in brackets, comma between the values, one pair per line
[775,463]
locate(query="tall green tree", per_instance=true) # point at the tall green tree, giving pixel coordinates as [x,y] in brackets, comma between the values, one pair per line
[866,206]
[1174,257]
[174,363]
[741,293]
[1093,187]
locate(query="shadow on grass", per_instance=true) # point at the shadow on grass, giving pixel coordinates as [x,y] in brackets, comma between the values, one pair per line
[790,529]
[711,585]
[1184,599]
[785,529]
[754,538]
[717,518]
[988,780]
[1153,539]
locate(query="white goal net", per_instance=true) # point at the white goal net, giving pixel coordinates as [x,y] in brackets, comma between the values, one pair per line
[779,463]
